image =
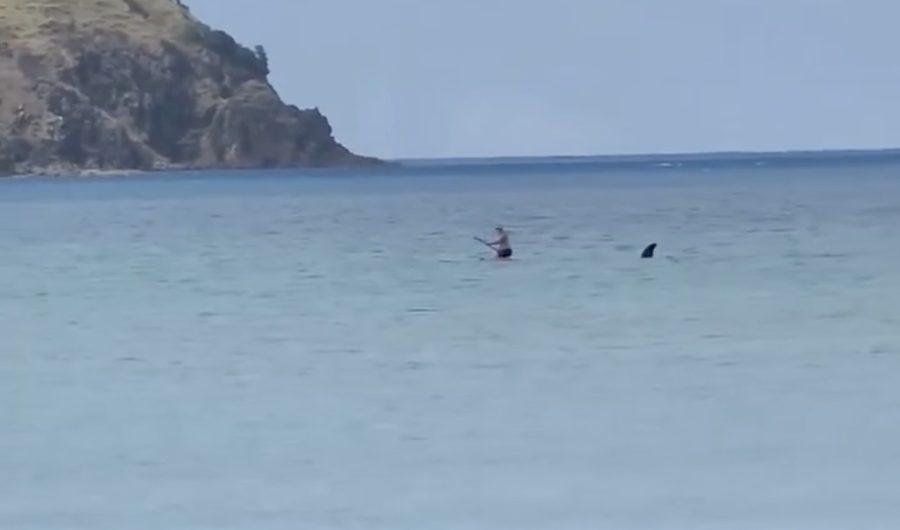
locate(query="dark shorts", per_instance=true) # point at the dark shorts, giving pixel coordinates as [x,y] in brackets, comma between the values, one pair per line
[505,253]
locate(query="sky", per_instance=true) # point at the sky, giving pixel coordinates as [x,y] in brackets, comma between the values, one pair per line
[459,78]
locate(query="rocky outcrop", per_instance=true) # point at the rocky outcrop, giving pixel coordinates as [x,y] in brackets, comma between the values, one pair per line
[141,84]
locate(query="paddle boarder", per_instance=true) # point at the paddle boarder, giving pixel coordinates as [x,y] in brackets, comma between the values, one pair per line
[501,245]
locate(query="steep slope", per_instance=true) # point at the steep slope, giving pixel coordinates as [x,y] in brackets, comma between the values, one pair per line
[142,84]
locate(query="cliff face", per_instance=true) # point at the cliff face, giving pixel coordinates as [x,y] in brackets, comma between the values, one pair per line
[141,84]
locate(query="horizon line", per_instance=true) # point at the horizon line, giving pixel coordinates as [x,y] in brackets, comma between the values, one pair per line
[650,155]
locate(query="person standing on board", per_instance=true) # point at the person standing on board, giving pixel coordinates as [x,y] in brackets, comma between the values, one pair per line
[501,246]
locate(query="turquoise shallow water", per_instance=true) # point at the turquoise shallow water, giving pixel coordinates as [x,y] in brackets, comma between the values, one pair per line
[280,350]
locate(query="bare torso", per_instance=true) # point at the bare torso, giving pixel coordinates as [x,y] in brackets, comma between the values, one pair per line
[502,242]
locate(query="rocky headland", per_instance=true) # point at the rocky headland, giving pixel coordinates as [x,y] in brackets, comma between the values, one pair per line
[120,85]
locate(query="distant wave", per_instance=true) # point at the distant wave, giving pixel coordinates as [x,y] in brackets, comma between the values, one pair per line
[659,161]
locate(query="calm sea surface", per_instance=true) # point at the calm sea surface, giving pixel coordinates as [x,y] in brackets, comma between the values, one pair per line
[280,350]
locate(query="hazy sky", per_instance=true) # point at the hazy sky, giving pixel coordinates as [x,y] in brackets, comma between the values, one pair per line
[422,78]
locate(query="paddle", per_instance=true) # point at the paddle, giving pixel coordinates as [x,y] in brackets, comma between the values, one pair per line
[485,243]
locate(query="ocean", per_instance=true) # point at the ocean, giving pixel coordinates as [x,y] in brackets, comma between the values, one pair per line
[332,350]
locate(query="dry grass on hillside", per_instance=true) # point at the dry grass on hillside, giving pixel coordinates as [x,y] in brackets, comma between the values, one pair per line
[32,23]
